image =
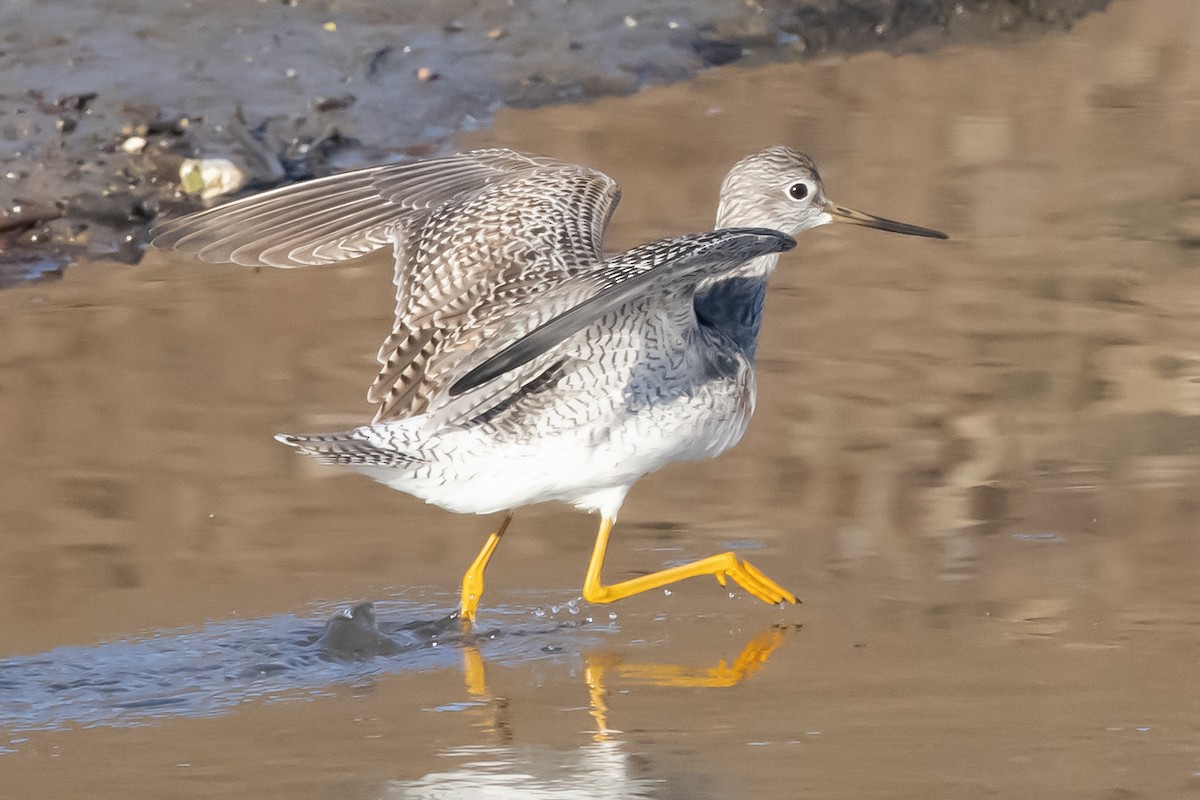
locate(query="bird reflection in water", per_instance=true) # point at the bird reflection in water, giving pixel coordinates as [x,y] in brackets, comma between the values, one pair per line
[602,767]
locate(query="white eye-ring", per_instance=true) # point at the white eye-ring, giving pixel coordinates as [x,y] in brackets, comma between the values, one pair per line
[798,191]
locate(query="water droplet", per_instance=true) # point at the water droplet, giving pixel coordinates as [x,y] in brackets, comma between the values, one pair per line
[612,615]
[667,592]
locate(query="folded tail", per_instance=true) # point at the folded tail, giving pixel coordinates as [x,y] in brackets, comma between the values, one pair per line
[352,448]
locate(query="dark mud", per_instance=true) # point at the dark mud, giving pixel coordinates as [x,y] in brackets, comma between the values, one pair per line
[114,112]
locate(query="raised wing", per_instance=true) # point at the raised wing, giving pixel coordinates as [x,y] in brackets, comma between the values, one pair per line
[475,235]
[671,268]
[318,222]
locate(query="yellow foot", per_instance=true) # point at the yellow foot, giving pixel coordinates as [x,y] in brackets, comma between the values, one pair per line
[753,656]
[723,566]
[751,578]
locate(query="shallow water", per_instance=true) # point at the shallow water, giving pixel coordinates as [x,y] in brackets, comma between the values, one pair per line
[976,462]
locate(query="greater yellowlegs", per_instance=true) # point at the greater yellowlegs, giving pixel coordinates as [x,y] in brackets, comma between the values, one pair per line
[524,364]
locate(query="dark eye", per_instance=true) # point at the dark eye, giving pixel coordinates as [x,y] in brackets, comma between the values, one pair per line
[798,191]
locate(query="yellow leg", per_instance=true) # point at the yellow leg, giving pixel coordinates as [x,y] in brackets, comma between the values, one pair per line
[593,674]
[474,673]
[722,566]
[752,657]
[472,582]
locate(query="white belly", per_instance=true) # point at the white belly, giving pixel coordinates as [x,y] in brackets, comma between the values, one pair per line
[590,466]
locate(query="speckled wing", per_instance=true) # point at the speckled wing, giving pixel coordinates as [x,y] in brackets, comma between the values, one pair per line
[475,235]
[664,273]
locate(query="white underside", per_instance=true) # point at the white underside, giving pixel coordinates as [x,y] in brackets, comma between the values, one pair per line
[469,473]
[518,477]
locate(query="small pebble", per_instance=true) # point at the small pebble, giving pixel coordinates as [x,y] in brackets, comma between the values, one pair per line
[210,177]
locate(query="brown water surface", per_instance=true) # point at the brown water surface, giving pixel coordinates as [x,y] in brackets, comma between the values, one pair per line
[976,461]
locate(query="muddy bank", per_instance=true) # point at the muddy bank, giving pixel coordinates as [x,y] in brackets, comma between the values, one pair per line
[113,112]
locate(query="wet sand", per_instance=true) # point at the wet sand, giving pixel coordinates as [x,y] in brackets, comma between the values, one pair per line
[975,461]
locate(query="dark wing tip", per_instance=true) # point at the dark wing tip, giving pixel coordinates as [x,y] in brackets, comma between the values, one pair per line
[480,375]
[782,241]
[766,240]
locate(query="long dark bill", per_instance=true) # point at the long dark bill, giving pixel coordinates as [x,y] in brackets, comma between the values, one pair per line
[843,214]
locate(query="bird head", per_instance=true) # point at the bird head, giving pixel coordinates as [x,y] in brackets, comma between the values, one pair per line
[780,189]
